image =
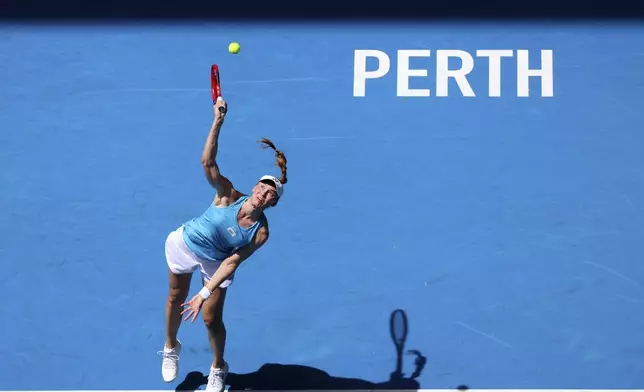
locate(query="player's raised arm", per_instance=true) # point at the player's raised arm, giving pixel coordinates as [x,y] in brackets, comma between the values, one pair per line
[209,156]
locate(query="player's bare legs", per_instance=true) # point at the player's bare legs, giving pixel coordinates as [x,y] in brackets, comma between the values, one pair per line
[213,309]
[178,292]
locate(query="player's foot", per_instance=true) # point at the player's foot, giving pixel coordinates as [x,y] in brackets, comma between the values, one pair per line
[170,365]
[217,379]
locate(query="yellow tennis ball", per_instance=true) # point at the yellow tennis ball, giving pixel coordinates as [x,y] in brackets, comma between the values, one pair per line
[233,48]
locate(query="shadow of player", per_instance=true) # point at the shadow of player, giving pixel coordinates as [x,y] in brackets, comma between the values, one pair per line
[275,376]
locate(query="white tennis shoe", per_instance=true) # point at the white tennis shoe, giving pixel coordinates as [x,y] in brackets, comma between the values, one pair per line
[170,364]
[217,379]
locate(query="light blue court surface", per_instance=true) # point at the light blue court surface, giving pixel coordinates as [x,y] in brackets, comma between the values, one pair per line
[509,229]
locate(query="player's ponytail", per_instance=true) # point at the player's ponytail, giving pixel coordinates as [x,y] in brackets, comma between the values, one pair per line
[280,158]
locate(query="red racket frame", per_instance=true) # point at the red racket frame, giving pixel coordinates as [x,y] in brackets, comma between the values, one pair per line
[215,84]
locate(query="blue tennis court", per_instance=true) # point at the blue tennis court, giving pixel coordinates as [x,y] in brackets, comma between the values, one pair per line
[508,229]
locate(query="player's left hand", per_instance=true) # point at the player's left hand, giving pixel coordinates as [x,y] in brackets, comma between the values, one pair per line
[193,308]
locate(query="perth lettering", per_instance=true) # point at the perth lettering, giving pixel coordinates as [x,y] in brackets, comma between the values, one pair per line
[520,59]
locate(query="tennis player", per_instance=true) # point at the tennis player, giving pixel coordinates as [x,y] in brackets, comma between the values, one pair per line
[229,231]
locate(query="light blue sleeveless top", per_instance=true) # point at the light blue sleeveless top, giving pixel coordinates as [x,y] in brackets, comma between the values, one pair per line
[216,234]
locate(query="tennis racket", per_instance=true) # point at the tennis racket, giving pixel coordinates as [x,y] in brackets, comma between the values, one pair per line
[398,329]
[215,86]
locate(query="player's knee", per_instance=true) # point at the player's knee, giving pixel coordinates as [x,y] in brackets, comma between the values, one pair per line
[213,321]
[177,296]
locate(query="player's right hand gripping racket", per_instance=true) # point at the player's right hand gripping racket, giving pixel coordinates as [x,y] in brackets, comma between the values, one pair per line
[215,86]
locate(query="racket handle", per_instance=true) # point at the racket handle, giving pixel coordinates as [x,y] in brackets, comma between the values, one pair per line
[222,109]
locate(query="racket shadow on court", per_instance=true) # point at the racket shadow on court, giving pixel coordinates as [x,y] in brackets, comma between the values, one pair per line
[275,376]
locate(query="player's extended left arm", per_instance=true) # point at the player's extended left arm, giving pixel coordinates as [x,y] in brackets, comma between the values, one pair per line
[230,264]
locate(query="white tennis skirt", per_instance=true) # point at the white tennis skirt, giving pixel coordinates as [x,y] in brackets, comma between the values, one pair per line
[181,260]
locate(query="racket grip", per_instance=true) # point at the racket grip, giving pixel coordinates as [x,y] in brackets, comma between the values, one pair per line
[222,109]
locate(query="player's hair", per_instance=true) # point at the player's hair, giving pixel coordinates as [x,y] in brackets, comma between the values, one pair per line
[280,158]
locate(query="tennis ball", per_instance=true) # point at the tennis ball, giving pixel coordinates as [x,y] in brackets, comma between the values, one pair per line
[233,48]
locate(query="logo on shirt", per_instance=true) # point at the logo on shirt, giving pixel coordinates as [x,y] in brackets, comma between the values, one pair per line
[232,232]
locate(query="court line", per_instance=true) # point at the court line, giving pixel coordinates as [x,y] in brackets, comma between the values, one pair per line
[282,80]
[204,89]
[501,342]
[321,138]
[612,271]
